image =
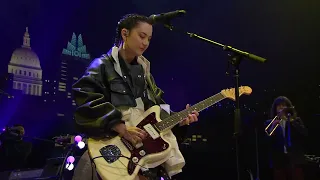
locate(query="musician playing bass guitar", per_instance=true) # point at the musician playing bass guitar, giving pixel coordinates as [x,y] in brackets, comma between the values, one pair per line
[118,87]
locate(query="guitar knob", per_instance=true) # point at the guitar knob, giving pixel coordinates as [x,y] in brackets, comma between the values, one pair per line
[135,159]
[142,153]
[164,146]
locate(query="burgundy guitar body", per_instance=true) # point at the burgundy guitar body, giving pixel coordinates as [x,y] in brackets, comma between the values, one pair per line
[153,151]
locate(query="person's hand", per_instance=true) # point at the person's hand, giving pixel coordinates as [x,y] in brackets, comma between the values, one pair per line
[193,117]
[275,122]
[132,134]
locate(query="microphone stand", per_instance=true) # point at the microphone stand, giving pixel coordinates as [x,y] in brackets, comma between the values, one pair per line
[2,92]
[257,154]
[235,58]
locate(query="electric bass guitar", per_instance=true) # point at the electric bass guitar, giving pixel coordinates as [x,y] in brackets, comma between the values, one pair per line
[117,159]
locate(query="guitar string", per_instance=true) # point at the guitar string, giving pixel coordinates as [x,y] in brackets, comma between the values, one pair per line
[201,105]
[205,103]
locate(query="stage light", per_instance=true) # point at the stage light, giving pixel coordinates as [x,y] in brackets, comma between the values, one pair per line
[70,159]
[78,139]
[81,144]
[69,164]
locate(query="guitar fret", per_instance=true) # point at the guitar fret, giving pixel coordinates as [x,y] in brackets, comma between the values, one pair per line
[176,118]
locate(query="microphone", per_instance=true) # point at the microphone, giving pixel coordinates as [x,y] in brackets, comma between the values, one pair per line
[166,17]
[288,111]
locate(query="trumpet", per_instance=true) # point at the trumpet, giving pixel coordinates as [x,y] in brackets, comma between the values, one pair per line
[274,128]
[288,111]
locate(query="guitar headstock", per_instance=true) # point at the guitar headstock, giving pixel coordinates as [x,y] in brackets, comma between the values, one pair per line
[231,93]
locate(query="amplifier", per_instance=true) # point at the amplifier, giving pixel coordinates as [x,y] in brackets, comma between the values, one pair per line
[26,174]
[50,171]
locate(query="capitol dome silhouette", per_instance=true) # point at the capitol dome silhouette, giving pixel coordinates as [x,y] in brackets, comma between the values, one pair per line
[26,68]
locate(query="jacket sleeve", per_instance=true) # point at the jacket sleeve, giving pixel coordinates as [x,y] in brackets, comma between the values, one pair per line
[179,132]
[157,93]
[299,127]
[95,115]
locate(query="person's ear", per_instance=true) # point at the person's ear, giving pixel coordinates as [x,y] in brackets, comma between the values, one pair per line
[124,34]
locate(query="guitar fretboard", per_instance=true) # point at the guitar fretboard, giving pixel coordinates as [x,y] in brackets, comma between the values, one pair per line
[173,120]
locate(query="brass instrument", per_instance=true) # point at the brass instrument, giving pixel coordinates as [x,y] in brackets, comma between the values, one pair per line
[266,129]
[288,112]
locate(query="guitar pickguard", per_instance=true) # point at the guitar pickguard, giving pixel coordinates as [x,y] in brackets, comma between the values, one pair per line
[150,145]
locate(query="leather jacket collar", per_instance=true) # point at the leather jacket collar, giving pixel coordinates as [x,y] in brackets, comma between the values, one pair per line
[114,51]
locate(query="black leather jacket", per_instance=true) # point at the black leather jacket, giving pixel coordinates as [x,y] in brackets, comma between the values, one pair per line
[275,144]
[100,91]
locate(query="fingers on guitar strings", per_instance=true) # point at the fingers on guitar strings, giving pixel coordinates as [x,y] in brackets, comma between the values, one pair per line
[143,132]
[195,117]
[195,113]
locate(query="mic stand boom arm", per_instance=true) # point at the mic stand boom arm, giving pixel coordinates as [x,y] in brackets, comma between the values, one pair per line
[225,47]
[235,57]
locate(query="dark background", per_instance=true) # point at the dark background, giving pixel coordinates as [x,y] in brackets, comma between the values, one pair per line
[189,70]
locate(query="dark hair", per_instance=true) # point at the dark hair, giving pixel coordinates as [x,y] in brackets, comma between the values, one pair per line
[279,100]
[129,21]
[18,125]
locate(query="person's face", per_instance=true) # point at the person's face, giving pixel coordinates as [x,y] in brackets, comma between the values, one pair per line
[21,130]
[281,107]
[137,40]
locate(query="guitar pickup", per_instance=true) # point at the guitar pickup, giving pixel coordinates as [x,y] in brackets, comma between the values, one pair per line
[151,131]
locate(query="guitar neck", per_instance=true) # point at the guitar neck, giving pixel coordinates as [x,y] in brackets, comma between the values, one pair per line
[176,118]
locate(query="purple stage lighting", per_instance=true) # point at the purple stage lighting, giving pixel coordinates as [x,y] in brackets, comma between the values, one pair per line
[78,139]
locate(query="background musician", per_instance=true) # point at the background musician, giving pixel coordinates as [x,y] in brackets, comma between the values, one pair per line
[286,143]
[14,151]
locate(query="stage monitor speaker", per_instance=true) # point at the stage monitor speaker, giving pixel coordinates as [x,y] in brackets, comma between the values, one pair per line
[25,174]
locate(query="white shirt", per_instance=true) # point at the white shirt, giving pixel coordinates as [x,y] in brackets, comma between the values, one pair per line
[283,127]
[175,162]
